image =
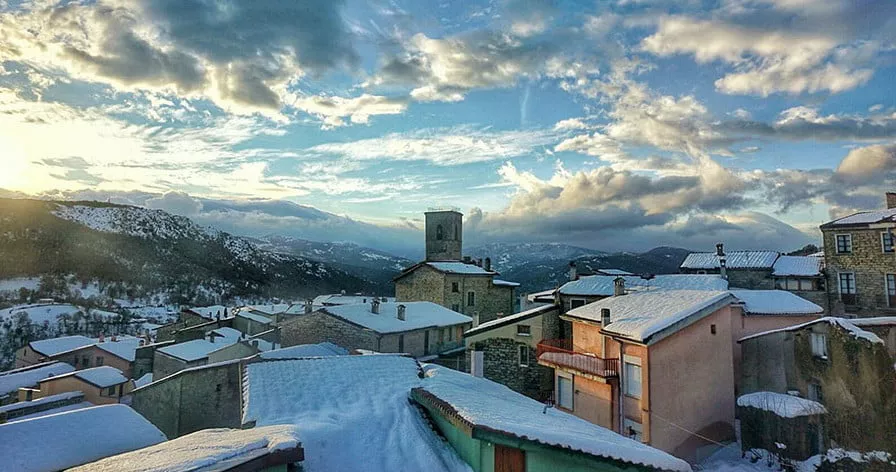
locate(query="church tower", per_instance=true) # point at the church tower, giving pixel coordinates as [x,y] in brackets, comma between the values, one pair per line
[444,235]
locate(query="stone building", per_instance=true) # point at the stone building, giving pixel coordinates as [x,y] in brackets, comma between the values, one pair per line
[459,284]
[221,344]
[861,262]
[506,350]
[836,364]
[763,270]
[416,328]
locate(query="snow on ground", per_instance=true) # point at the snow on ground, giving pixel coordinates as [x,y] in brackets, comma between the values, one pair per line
[349,411]
[494,407]
[38,313]
[12,380]
[306,350]
[200,449]
[781,404]
[68,439]
[13,285]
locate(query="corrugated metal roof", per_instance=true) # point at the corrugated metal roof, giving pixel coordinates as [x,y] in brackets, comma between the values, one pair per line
[734,259]
[603,285]
[807,266]
[865,218]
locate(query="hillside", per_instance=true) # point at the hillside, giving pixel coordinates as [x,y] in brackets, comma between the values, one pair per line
[377,266]
[540,266]
[137,253]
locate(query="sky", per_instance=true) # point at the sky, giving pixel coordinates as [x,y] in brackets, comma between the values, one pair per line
[613,125]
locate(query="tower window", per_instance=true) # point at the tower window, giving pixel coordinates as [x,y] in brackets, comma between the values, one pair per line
[440,233]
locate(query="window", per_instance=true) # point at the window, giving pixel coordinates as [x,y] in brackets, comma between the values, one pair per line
[632,380]
[455,307]
[523,330]
[712,329]
[632,429]
[471,299]
[576,302]
[564,392]
[792,284]
[400,343]
[844,243]
[815,393]
[110,392]
[807,284]
[891,289]
[454,287]
[886,241]
[440,233]
[99,360]
[450,334]
[848,288]
[85,361]
[524,355]
[819,345]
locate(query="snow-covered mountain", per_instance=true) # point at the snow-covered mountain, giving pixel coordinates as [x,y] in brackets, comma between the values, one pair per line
[338,253]
[143,252]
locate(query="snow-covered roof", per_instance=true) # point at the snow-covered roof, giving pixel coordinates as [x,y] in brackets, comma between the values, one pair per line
[783,405]
[865,218]
[41,401]
[614,272]
[351,412]
[12,380]
[72,438]
[841,323]
[254,317]
[775,302]
[145,380]
[339,299]
[509,319]
[733,260]
[641,315]
[505,283]
[102,376]
[806,266]
[206,450]
[305,350]
[495,408]
[53,411]
[267,309]
[51,347]
[418,315]
[874,321]
[603,285]
[194,350]
[210,312]
[460,268]
[532,297]
[124,347]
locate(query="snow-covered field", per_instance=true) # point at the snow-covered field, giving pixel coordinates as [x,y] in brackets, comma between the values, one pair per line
[39,313]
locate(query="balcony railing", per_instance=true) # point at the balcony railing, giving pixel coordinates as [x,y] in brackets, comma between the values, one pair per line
[559,352]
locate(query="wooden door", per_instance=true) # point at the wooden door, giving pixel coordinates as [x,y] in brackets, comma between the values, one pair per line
[509,459]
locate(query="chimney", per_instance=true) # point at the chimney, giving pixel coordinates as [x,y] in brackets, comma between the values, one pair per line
[572,271]
[479,262]
[114,339]
[467,260]
[211,337]
[604,317]
[401,312]
[723,261]
[308,307]
[618,287]
[342,292]
[254,343]
[102,337]
[891,200]
[488,264]
[375,307]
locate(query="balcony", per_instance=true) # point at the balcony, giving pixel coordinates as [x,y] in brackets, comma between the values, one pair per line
[559,353]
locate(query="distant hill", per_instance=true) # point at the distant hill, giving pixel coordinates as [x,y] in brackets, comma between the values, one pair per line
[140,253]
[540,266]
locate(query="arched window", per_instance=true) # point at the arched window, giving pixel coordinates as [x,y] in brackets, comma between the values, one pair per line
[440,233]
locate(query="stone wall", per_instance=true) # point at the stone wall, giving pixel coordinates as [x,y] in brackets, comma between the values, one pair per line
[318,327]
[868,262]
[250,326]
[144,358]
[502,364]
[192,400]
[762,429]
[758,279]
[164,365]
[857,381]
[427,284]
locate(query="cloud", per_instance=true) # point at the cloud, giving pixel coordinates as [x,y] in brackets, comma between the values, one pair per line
[802,122]
[766,60]
[332,110]
[442,146]
[241,55]
[868,163]
[179,203]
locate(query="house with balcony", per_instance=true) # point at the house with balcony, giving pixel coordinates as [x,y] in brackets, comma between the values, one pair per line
[861,262]
[653,365]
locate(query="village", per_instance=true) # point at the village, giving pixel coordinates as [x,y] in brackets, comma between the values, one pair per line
[775,360]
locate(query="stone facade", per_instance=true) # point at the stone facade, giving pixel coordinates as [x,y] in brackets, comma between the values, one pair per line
[319,327]
[144,358]
[428,284]
[193,400]
[250,326]
[868,262]
[854,380]
[444,235]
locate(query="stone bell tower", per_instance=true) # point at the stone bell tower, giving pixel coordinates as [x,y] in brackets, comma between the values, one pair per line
[444,235]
